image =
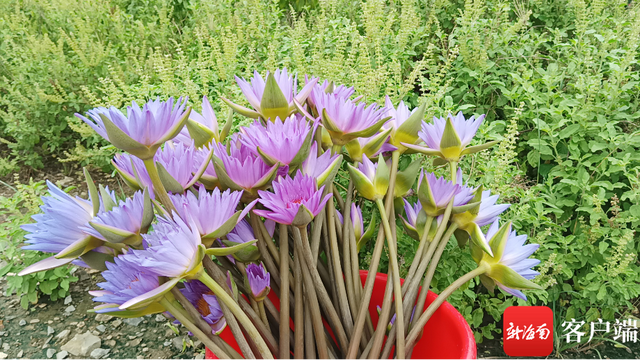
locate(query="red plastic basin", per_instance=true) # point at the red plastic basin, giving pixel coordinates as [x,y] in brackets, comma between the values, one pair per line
[446,336]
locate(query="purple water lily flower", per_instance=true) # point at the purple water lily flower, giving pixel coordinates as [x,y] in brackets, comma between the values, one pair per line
[412,212]
[207,121]
[346,116]
[289,195]
[259,281]
[125,280]
[171,249]
[341,91]
[254,92]
[280,141]
[123,223]
[157,122]
[515,255]
[209,177]
[203,299]
[489,211]
[320,167]
[466,129]
[242,233]
[213,213]
[59,228]
[133,172]
[245,170]
[398,115]
[435,193]
[357,221]
[180,161]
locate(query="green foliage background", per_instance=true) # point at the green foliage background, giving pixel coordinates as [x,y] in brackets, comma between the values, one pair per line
[558,80]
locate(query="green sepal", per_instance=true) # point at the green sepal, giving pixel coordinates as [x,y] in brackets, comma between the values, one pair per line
[223,177]
[439,162]
[381,180]
[244,255]
[466,207]
[425,196]
[200,134]
[147,211]
[303,153]
[203,167]
[107,201]
[510,278]
[93,192]
[224,229]
[267,159]
[499,241]
[227,127]
[170,184]
[230,249]
[370,131]
[131,181]
[367,234]
[302,111]
[406,178]
[423,149]
[114,235]
[266,180]
[329,124]
[488,283]
[362,183]
[330,173]
[356,152]
[155,308]
[231,282]
[409,229]
[140,302]
[407,132]
[122,141]
[478,148]
[478,239]
[477,197]
[273,104]
[175,130]
[241,109]
[79,247]
[303,217]
[450,144]
[195,269]
[462,237]
[96,260]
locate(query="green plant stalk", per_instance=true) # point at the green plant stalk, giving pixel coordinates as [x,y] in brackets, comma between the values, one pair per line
[422,320]
[158,187]
[309,342]
[267,239]
[244,320]
[284,293]
[322,295]
[312,299]
[373,268]
[198,321]
[193,328]
[346,253]
[298,312]
[349,235]
[419,254]
[397,288]
[343,302]
[263,313]
[385,313]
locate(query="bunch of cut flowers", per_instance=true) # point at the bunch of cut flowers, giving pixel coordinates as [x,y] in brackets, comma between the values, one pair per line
[251,233]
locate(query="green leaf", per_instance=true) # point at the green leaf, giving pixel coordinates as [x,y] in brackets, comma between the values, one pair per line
[568,131]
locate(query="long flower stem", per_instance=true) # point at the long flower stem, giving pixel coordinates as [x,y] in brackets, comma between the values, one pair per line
[373,268]
[298,312]
[422,321]
[158,188]
[343,304]
[322,295]
[284,293]
[418,257]
[263,313]
[346,252]
[397,288]
[244,320]
[193,328]
[383,320]
[312,298]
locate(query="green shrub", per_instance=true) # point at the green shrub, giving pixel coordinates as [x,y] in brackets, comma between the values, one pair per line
[17,210]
